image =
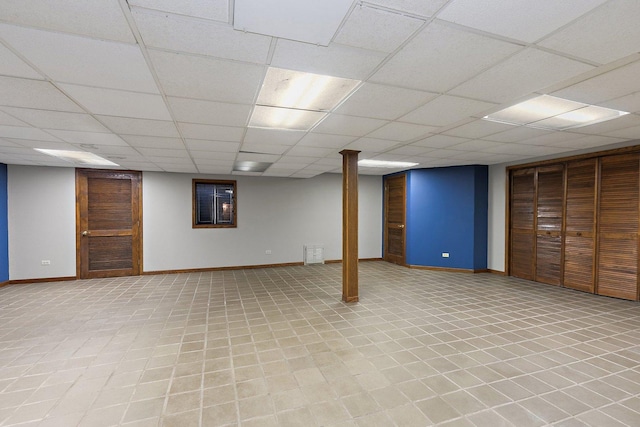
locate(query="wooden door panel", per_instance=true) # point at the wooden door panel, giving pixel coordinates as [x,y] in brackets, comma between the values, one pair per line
[394,222]
[578,263]
[550,200]
[108,217]
[618,268]
[522,254]
[521,220]
[548,258]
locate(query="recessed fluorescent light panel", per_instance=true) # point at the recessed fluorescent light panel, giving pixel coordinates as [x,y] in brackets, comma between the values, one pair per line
[553,113]
[78,157]
[385,164]
[247,166]
[296,100]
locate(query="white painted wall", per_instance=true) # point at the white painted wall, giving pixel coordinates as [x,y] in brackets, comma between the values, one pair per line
[496,217]
[41,207]
[277,214]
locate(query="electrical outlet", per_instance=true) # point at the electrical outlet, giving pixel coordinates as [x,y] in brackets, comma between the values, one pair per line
[46,262]
[268,252]
[445,254]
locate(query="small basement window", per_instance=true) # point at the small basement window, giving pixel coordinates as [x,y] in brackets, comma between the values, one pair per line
[214,203]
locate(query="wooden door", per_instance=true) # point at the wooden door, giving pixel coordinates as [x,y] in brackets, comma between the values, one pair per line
[618,226]
[522,235]
[108,223]
[394,218]
[580,223]
[549,214]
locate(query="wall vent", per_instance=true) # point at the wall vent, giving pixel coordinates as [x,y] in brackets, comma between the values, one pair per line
[313,254]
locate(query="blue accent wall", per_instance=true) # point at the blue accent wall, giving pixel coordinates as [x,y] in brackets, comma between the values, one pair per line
[447,212]
[4,226]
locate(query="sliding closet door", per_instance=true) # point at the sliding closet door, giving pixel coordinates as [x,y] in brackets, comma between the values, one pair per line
[549,212]
[522,231]
[618,227]
[580,233]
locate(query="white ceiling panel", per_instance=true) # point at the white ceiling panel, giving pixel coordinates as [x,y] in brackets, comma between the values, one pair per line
[112,102]
[130,126]
[257,157]
[217,10]
[446,110]
[523,73]
[475,145]
[210,132]
[629,103]
[195,36]
[196,77]
[518,133]
[441,141]
[162,155]
[214,155]
[313,139]
[348,125]
[409,150]
[622,122]
[47,119]
[22,132]
[104,63]
[414,7]
[15,92]
[30,143]
[95,18]
[592,37]
[524,20]
[217,146]
[209,112]
[397,131]
[273,136]
[335,60]
[614,84]
[450,55]
[375,29]
[12,65]
[478,129]
[299,150]
[627,133]
[549,139]
[153,142]
[256,147]
[8,120]
[383,102]
[587,142]
[371,145]
[89,138]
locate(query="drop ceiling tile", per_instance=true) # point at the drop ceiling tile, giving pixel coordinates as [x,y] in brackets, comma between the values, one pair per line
[476,145]
[591,36]
[376,29]
[139,141]
[214,155]
[197,77]
[626,133]
[218,10]
[313,139]
[213,162]
[12,65]
[334,60]
[22,132]
[330,161]
[409,150]
[518,19]
[8,120]
[397,131]
[371,145]
[217,146]
[306,173]
[177,168]
[166,155]
[257,157]
[587,142]
[112,102]
[622,122]
[46,119]
[525,150]
[383,102]
[443,153]
[446,110]
[348,125]
[273,136]
[215,170]
[629,103]
[15,92]
[210,132]
[209,112]
[179,33]
[614,84]
[129,126]
[256,147]
[30,143]
[415,7]
[518,133]
[450,55]
[523,73]
[478,129]
[549,139]
[99,19]
[441,141]
[309,151]
[140,166]
[110,151]
[88,138]
[104,63]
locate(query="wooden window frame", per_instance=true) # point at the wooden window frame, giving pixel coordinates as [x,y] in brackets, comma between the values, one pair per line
[194,204]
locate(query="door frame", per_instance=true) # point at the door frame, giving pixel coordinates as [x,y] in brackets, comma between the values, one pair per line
[385,224]
[81,194]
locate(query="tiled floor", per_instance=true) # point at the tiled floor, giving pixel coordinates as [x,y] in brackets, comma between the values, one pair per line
[276,347]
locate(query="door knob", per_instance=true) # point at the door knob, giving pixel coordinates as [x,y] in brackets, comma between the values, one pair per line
[85,233]
[400,225]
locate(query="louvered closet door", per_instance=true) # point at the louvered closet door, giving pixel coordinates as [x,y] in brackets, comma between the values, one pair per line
[618,227]
[579,244]
[549,209]
[522,226]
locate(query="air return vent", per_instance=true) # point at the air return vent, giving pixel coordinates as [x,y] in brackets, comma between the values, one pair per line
[313,254]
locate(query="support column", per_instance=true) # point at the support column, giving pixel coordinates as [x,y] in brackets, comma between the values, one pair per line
[349,225]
